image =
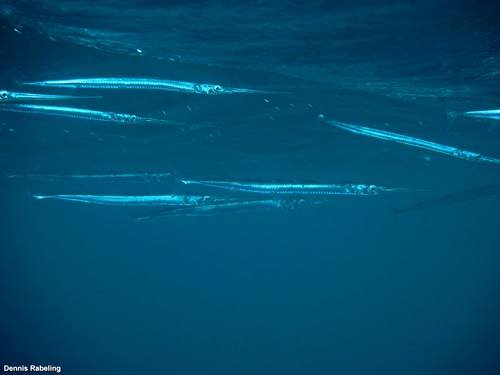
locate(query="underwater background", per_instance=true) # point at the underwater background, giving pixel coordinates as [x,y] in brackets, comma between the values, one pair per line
[346,287]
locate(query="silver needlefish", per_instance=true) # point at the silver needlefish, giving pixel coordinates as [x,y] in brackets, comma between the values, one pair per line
[87,114]
[490,114]
[11,96]
[147,84]
[133,200]
[414,142]
[298,189]
[230,207]
[122,177]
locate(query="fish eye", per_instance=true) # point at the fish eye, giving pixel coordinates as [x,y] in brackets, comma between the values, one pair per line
[4,94]
[217,88]
[372,189]
[207,199]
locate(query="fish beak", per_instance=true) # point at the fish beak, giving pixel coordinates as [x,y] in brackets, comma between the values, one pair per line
[232,90]
[410,189]
[397,189]
[490,159]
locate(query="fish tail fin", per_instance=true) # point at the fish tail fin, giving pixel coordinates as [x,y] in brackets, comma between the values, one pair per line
[178,176]
[450,119]
[394,210]
[136,216]
[33,192]
[179,180]
[38,196]
[320,118]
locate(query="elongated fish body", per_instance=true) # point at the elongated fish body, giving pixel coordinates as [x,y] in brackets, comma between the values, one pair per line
[133,200]
[84,114]
[452,199]
[10,96]
[146,84]
[491,114]
[295,189]
[230,207]
[123,177]
[414,142]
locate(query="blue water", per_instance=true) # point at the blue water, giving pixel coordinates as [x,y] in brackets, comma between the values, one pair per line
[339,288]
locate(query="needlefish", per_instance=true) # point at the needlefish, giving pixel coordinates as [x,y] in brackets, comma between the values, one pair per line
[87,114]
[135,200]
[147,84]
[230,207]
[296,189]
[124,177]
[414,142]
[490,114]
[10,96]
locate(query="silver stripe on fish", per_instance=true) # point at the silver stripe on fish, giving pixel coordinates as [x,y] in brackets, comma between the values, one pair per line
[133,200]
[414,142]
[296,189]
[147,84]
[87,114]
